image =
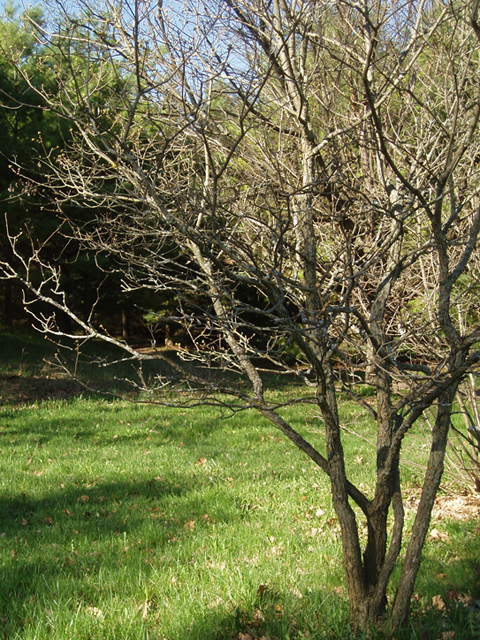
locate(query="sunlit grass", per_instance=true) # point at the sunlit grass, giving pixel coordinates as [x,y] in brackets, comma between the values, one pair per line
[122,516]
[133,521]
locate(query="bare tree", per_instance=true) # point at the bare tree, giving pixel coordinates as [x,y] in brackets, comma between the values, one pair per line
[303,177]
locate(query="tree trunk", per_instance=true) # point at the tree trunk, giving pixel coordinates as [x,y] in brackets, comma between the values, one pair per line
[430,486]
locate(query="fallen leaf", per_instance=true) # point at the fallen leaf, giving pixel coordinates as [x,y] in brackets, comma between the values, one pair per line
[83,499]
[460,598]
[258,617]
[435,534]
[144,608]
[438,603]
[200,462]
[190,524]
[215,603]
[261,591]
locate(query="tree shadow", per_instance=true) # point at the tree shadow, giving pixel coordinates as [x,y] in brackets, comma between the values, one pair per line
[62,542]
[36,370]
[276,614]
[60,538]
[446,600]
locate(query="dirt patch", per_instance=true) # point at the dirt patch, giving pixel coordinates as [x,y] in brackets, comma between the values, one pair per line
[29,389]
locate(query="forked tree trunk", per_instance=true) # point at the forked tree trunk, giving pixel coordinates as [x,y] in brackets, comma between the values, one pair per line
[430,487]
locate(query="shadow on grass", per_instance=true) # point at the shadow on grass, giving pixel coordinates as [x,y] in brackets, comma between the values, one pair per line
[33,370]
[276,615]
[75,543]
[446,602]
[58,547]
[27,377]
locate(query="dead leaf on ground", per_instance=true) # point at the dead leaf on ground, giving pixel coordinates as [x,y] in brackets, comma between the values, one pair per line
[262,589]
[457,507]
[448,504]
[215,603]
[331,522]
[435,534]
[438,603]
[460,598]
[190,524]
[144,608]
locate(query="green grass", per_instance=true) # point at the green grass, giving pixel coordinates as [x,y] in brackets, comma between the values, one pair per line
[139,513]
[138,522]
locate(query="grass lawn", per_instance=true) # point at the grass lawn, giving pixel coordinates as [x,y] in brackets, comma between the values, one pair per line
[130,521]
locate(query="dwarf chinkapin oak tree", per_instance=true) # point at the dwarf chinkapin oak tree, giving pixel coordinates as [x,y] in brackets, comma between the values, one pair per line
[303,177]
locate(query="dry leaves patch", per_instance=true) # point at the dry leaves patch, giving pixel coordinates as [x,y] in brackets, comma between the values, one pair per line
[457,507]
[448,506]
